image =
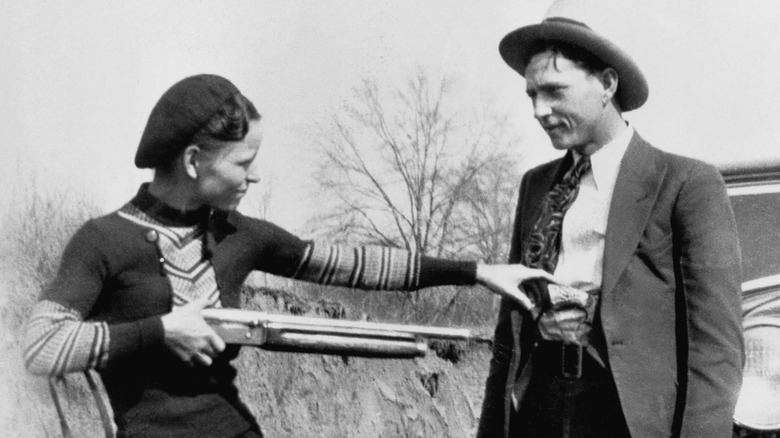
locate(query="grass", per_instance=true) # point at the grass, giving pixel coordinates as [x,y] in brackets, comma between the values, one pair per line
[34,235]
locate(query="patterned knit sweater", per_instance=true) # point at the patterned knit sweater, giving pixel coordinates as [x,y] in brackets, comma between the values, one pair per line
[120,273]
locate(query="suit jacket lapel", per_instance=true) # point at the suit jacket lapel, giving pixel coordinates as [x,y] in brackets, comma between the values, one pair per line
[636,189]
[531,202]
[536,192]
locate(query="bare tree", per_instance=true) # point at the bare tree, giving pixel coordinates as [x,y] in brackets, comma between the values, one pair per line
[482,227]
[406,169]
[259,205]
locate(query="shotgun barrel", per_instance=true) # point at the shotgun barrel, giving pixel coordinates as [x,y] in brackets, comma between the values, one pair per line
[326,336]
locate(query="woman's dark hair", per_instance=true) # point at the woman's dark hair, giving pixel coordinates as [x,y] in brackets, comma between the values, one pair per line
[581,57]
[231,122]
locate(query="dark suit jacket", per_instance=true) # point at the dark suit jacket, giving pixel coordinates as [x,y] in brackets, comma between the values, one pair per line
[670,298]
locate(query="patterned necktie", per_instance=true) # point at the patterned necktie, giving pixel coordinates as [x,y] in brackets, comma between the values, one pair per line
[545,241]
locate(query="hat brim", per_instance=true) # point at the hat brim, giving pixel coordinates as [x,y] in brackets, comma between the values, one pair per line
[632,86]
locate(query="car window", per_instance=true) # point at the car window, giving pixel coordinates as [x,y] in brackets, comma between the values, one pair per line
[758,224]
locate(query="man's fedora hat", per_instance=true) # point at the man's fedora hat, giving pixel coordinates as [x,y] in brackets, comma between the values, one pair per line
[632,85]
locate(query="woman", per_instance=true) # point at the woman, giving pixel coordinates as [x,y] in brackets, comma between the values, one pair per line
[127,298]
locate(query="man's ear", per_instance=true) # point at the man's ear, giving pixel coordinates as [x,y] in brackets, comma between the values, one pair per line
[609,79]
[191,160]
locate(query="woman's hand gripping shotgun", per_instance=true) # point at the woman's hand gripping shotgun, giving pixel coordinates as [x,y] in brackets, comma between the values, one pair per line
[328,336]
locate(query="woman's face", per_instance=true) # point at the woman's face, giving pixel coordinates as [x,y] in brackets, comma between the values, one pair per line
[225,173]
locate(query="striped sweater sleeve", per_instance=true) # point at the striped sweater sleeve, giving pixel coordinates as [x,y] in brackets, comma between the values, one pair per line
[379,268]
[58,341]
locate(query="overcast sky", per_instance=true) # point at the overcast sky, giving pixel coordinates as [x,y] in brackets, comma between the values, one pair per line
[78,78]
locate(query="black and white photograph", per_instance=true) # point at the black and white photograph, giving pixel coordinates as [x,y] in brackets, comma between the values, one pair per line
[373,218]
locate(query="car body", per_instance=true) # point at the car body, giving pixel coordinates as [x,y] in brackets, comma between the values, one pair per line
[754,190]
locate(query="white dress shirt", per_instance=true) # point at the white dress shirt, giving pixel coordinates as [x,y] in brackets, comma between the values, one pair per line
[584,228]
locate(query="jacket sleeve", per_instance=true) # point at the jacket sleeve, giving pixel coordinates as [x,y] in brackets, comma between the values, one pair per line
[709,275]
[493,420]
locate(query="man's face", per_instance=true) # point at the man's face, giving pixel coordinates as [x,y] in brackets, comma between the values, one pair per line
[568,100]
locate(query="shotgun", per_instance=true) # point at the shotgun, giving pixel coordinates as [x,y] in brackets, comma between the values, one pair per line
[304,334]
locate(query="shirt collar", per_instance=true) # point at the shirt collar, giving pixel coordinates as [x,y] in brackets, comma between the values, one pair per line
[166,214]
[605,162]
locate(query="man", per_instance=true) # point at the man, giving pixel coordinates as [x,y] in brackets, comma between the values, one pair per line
[650,344]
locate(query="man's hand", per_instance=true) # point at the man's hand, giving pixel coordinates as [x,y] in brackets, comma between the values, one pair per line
[188,335]
[505,281]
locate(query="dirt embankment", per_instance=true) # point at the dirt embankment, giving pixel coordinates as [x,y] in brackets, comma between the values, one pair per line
[295,395]
[304,395]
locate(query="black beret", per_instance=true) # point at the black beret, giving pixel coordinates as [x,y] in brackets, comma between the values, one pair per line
[179,114]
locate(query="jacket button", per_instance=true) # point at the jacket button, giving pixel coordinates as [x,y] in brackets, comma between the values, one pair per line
[151,236]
